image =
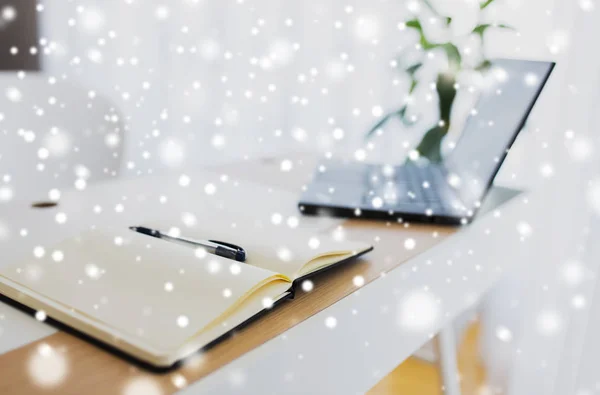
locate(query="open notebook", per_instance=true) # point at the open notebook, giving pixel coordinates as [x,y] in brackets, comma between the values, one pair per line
[159,301]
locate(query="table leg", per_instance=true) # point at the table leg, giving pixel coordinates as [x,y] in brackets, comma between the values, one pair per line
[446,345]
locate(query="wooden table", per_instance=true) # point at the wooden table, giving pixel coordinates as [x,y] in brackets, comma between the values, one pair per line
[290,350]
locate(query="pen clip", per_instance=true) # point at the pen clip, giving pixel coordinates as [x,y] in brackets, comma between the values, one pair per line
[235,247]
[241,253]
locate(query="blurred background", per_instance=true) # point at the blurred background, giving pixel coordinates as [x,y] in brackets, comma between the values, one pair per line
[187,83]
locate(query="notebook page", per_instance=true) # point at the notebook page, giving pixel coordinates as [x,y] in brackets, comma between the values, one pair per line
[277,248]
[251,306]
[142,286]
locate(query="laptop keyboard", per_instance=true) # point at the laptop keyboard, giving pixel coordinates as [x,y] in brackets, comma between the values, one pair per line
[423,183]
[399,187]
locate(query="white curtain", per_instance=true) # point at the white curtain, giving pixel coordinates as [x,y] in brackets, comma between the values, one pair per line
[203,81]
[548,309]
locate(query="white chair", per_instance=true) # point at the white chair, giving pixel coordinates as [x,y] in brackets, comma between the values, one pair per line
[54,135]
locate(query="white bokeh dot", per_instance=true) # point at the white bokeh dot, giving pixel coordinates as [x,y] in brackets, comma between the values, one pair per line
[58,256]
[276,218]
[286,165]
[235,269]
[307,285]
[9,13]
[548,323]
[40,315]
[182,321]
[366,28]
[39,252]
[284,254]
[47,367]
[6,193]
[579,302]
[54,195]
[587,5]
[377,111]
[200,253]
[210,189]
[92,271]
[267,303]
[293,221]
[330,322]
[377,202]
[184,180]
[573,273]
[338,133]
[410,243]
[524,229]
[358,281]
[504,334]
[360,155]
[171,152]
[60,218]
[142,386]
[418,311]
[214,267]
[179,381]
[161,12]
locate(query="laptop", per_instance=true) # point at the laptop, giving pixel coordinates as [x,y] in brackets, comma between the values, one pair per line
[449,192]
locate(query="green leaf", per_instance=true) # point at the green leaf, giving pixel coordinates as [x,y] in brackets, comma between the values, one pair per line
[453,54]
[416,25]
[484,65]
[378,125]
[481,29]
[485,4]
[430,145]
[414,68]
[445,87]
[426,45]
[413,84]
[402,115]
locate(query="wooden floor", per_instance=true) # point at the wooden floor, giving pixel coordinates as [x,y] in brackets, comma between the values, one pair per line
[415,376]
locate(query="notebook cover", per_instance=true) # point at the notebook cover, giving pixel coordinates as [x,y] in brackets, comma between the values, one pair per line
[129,357]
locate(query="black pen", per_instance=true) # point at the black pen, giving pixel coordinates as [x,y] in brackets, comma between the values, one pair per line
[219,248]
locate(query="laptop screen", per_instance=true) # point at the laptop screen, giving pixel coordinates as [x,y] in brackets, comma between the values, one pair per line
[489,132]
